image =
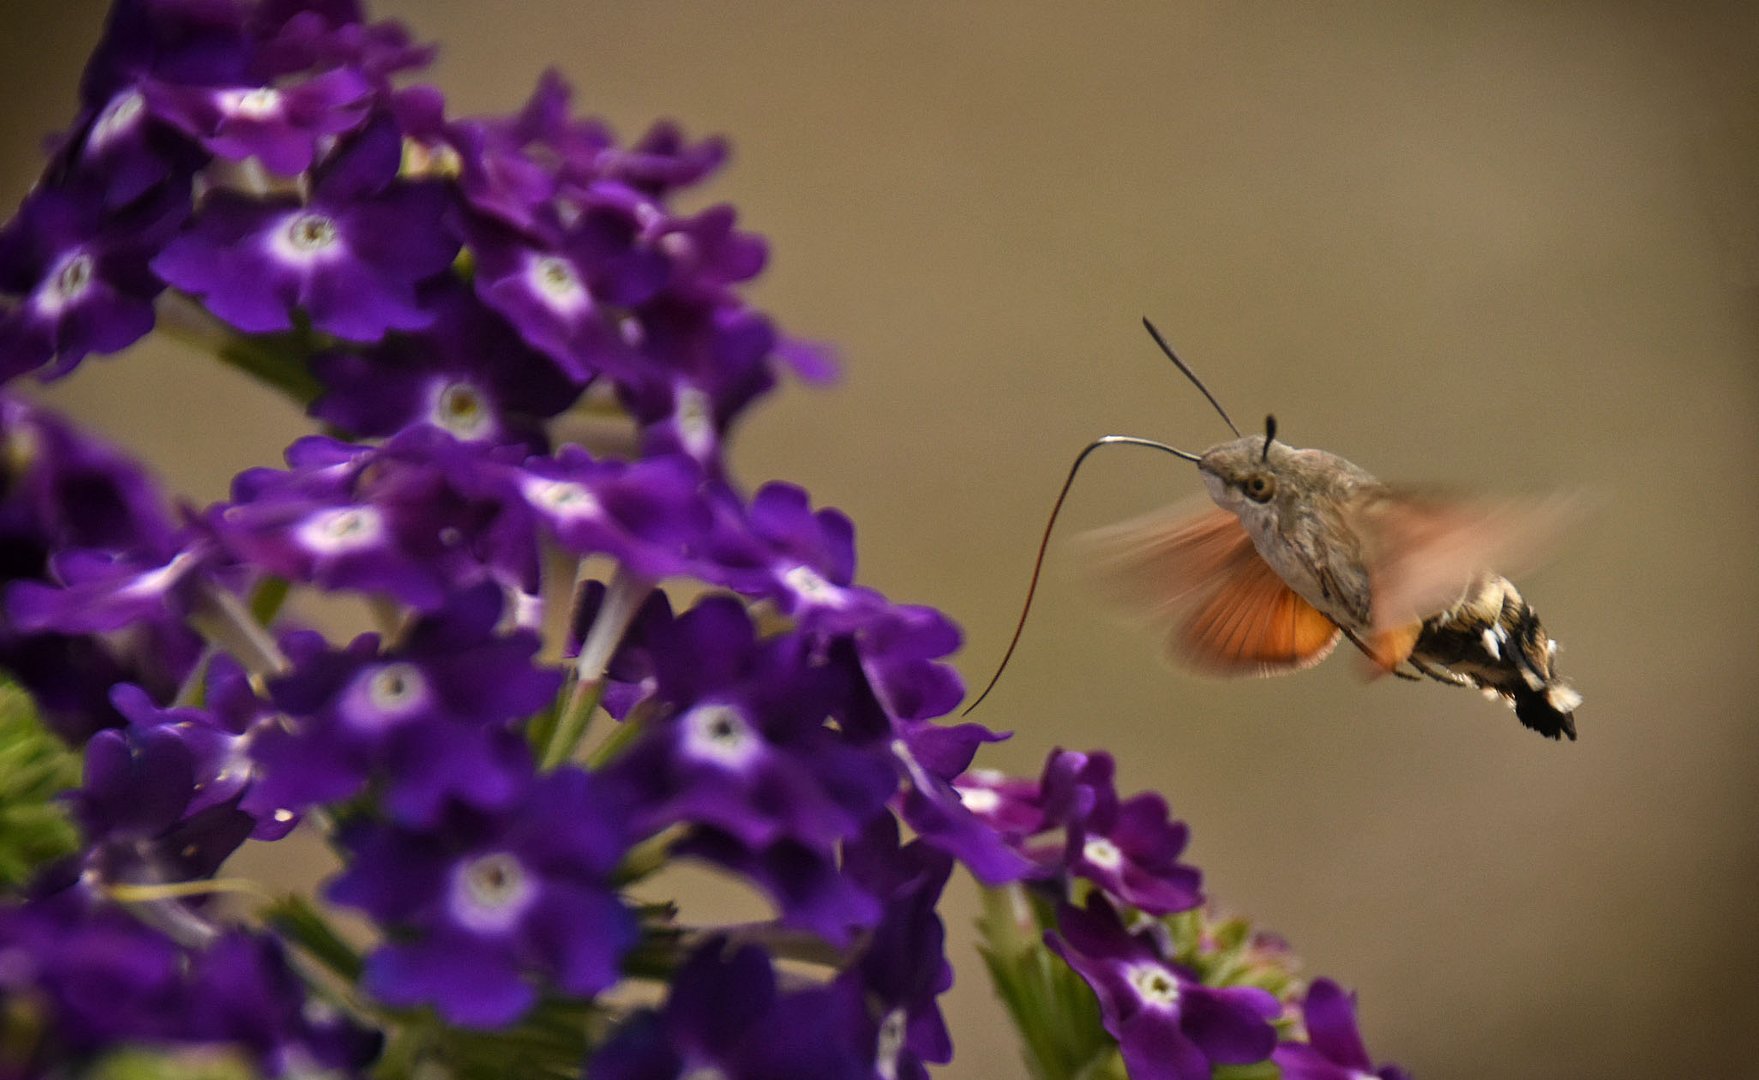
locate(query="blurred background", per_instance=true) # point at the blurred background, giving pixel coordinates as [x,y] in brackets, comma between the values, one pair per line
[1504,246]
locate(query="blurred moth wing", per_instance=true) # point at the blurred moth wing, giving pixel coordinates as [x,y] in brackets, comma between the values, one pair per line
[1230,613]
[1424,553]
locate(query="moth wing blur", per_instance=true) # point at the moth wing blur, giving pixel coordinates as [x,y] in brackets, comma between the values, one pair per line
[1424,553]
[1231,613]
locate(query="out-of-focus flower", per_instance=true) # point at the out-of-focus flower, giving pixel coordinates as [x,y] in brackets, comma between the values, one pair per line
[349,258]
[1334,1049]
[727,1017]
[483,903]
[429,719]
[1168,1025]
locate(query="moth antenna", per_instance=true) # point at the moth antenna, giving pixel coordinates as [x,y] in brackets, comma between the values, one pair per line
[1044,542]
[1189,374]
[1269,437]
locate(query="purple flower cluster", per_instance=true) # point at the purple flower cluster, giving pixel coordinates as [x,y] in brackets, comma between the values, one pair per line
[450,296]
[528,363]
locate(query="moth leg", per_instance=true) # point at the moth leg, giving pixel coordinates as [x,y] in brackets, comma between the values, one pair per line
[1446,678]
[1368,652]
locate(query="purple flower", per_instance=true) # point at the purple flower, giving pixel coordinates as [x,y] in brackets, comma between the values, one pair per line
[468,374]
[1128,847]
[727,1017]
[74,277]
[648,515]
[99,979]
[298,35]
[745,746]
[904,968]
[561,287]
[1169,1026]
[416,519]
[1008,804]
[65,491]
[804,883]
[243,993]
[1333,1050]
[429,718]
[350,257]
[488,907]
[282,127]
[702,363]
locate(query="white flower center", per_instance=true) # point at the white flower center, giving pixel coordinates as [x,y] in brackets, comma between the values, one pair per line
[307,238]
[566,499]
[261,103]
[396,690]
[979,800]
[1154,985]
[890,1044]
[811,587]
[557,285]
[720,734]
[696,424]
[344,529]
[461,409]
[66,283]
[118,116]
[491,892]
[1102,853]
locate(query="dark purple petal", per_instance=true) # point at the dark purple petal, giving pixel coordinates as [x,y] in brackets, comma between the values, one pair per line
[470,983]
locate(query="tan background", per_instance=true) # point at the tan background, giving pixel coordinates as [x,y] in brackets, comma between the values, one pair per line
[1503,245]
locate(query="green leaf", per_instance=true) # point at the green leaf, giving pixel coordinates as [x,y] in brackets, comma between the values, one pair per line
[194,1063]
[35,767]
[1053,1009]
[300,921]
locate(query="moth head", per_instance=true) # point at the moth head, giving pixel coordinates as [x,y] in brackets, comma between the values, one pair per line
[1246,475]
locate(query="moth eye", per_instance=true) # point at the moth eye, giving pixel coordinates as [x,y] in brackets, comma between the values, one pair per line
[1260,488]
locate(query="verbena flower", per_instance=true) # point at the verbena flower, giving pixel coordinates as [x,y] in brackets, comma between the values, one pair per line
[429,720]
[485,904]
[728,1017]
[1167,1024]
[1334,1048]
[348,258]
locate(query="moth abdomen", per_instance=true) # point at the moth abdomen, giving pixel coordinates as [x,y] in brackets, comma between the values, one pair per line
[1493,640]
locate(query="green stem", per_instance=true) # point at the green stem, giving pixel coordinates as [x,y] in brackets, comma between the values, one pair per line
[571,729]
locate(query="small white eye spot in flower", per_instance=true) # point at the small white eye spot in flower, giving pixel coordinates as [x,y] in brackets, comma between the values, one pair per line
[491,892]
[554,280]
[305,238]
[118,116]
[1155,986]
[396,690]
[282,816]
[979,800]
[629,328]
[809,585]
[260,103]
[704,1072]
[696,423]
[720,734]
[677,245]
[568,500]
[1102,853]
[462,410]
[343,529]
[890,1044]
[66,282]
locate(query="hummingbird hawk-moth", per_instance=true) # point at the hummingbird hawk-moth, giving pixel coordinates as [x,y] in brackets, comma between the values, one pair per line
[1302,548]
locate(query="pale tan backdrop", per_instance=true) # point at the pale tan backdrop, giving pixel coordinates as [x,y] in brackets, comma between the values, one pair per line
[1504,245]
